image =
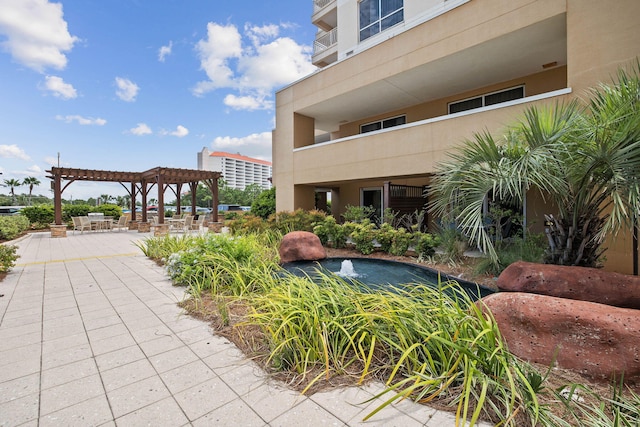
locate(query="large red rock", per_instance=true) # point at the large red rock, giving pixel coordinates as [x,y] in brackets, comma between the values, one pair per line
[596,340]
[301,246]
[578,283]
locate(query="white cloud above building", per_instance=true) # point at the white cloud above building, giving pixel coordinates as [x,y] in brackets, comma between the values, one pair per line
[251,65]
[36,33]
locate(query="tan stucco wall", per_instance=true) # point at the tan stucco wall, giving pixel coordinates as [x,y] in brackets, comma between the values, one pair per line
[535,84]
[601,36]
[414,150]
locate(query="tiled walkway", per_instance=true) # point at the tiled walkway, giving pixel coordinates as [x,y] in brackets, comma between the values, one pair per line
[90,335]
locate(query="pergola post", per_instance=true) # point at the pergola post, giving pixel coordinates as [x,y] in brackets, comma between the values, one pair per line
[144,200]
[160,199]
[134,190]
[193,186]
[57,198]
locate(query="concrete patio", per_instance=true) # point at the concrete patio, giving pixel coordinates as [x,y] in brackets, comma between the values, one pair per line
[91,335]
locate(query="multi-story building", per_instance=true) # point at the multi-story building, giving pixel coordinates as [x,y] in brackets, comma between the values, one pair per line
[238,171]
[401,82]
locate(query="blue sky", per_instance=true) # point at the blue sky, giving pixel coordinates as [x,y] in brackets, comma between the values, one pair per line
[129,85]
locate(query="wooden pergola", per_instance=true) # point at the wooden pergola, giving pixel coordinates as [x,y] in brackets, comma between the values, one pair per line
[139,183]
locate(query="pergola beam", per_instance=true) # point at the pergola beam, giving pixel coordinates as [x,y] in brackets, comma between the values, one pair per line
[159,176]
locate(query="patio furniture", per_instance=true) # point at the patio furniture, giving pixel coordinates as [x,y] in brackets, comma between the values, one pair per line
[120,224]
[86,223]
[79,225]
[196,225]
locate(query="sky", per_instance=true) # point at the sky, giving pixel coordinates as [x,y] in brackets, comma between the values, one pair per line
[129,85]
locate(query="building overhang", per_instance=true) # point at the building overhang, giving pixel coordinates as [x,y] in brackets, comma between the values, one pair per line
[519,53]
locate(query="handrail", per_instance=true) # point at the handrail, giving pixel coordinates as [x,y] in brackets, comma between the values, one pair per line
[325,41]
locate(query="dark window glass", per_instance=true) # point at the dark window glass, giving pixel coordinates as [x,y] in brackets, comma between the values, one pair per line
[391,20]
[396,121]
[369,12]
[389,6]
[378,15]
[371,127]
[469,104]
[504,96]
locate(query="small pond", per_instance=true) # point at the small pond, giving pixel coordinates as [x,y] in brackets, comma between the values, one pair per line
[378,274]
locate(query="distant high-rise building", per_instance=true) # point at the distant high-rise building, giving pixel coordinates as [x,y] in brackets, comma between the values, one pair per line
[238,171]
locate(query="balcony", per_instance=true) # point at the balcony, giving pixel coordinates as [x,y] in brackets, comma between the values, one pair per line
[325,48]
[325,14]
[414,149]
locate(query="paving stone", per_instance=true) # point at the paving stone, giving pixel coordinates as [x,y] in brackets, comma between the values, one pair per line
[62,396]
[163,413]
[204,398]
[91,412]
[68,373]
[135,396]
[234,413]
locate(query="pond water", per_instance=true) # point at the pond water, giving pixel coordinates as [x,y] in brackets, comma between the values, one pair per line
[376,274]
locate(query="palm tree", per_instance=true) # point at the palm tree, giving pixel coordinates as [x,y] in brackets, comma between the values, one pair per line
[31,182]
[584,159]
[12,184]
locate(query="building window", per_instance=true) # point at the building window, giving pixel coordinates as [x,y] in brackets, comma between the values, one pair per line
[378,15]
[487,99]
[383,124]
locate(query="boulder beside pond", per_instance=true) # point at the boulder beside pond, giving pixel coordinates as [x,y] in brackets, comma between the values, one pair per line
[301,246]
[577,283]
[596,340]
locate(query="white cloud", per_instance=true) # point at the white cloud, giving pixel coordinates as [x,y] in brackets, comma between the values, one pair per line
[164,51]
[254,68]
[249,103]
[180,131]
[59,88]
[223,43]
[36,33]
[127,90]
[82,120]
[256,145]
[34,171]
[141,129]
[13,152]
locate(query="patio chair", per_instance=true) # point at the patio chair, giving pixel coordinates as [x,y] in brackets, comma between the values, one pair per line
[78,225]
[198,223]
[85,223]
[120,224]
[188,221]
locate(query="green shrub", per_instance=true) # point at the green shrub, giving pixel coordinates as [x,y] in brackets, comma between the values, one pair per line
[12,226]
[531,249]
[358,213]
[298,220]
[8,257]
[401,242]
[426,244]
[330,232]
[363,235]
[109,210]
[246,224]
[384,236]
[69,211]
[452,243]
[265,204]
[40,216]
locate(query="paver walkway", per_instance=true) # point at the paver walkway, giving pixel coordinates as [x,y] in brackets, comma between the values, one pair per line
[90,335]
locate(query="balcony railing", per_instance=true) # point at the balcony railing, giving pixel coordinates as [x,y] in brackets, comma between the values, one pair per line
[319,4]
[325,41]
